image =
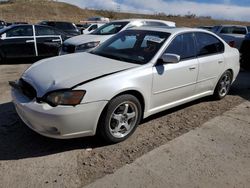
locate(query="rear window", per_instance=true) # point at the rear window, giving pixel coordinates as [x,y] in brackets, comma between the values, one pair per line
[233,30]
[64,26]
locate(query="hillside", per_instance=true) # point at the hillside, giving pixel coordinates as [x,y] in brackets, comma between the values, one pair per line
[34,11]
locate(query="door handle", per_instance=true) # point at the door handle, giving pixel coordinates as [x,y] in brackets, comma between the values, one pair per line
[220,61]
[29,41]
[56,40]
[192,68]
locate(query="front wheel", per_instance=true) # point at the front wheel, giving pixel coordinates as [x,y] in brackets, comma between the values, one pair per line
[120,118]
[223,86]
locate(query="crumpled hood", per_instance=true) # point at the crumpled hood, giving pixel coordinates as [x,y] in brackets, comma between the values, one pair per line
[66,71]
[81,39]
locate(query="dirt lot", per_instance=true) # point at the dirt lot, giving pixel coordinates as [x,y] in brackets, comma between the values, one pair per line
[30,160]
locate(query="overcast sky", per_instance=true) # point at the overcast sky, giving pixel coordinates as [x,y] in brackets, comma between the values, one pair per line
[220,9]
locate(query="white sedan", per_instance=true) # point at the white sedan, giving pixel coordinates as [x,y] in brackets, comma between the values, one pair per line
[137,73]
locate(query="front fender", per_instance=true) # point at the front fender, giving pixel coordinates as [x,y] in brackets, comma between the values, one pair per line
[137,79]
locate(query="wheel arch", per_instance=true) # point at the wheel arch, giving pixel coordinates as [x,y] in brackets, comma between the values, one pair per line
[132,92]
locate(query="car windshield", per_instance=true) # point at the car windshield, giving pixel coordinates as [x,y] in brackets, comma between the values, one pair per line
[110,28]
[133,46]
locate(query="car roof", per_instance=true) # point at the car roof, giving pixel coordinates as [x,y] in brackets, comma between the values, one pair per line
[232,25]
[142,19]
[171,30]
[55,21]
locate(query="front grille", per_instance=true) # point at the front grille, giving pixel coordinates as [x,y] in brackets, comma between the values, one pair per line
[69,48]
[27,89]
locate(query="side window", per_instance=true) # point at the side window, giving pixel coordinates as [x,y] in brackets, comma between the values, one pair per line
[20,31]
[41,31]
[208,44]
[226,30]
[183,45]
[234,30]
[93,27]
[239,30]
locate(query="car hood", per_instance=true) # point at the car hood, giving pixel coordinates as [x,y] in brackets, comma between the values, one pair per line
[81,39]
[67,71]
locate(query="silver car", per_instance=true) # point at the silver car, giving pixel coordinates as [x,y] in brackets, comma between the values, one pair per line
[83,43]
[136,73]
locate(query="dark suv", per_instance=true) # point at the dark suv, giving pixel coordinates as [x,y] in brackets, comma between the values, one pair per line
[245,55]
[67,27]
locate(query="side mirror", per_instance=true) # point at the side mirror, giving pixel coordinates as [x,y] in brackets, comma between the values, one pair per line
[3,36]
[170,58]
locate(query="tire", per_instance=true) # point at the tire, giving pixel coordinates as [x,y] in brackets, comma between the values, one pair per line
[120,118]
[223,86]
[1,60]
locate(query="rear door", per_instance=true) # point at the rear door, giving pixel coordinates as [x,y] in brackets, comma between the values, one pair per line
[211,61]
[19,42]
[48,41]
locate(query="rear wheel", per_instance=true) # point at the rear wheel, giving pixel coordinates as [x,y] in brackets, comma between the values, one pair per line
[120,118]
[1,60]
[223,86]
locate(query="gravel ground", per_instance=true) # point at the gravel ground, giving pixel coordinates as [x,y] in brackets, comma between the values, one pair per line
[90,158]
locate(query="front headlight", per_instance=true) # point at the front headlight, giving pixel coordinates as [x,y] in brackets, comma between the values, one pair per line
[87,46]
[71,97]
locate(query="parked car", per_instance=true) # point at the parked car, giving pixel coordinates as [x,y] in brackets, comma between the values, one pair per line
[88,42]
[98,19]
[137,73]
[88,27]
[19,41]
[92,27]
[245,55]
[66,27]
[232,34]
[209,28]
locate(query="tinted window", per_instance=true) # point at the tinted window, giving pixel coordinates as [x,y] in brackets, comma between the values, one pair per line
[208,44]
[134,46]
[239,30]
[183,45]
[110,28]
[44,31]
[65,26]
[20,31]
[233,30]
[60,25]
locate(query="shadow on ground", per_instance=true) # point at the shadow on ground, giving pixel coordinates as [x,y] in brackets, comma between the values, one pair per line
[17,141]
[241,86]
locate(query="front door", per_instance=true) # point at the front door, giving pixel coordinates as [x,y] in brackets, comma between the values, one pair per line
[48,41]
[19,42]
[173,83]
